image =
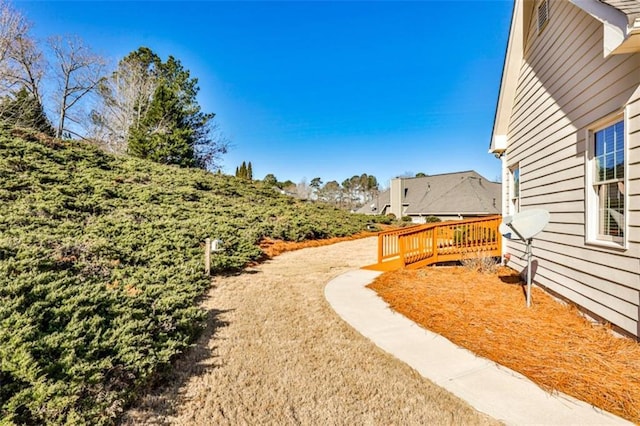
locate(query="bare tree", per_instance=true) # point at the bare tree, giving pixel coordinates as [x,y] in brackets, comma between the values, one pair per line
[124,98]
[21,62]
[303,190]
[29,65]
[12,27]
[22,68]
[78,72]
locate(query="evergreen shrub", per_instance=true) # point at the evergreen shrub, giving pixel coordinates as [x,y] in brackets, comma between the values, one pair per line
[101,268]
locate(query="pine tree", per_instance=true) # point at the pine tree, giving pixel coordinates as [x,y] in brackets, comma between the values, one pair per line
[25,110]
[174,130]
[249,171]
[164,135]
[245,171]
[124,98]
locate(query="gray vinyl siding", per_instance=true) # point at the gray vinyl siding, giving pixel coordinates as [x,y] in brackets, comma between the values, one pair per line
[565,85]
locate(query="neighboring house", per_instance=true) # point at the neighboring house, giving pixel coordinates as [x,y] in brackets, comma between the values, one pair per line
[449,196]
[567,129]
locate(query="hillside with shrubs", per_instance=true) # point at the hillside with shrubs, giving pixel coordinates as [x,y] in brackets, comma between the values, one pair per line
[101,269]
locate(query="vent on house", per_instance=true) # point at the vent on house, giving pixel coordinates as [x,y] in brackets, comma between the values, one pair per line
[543,14]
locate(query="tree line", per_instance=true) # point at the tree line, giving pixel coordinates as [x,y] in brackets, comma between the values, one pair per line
[351,194]
[144,106]
[245,171]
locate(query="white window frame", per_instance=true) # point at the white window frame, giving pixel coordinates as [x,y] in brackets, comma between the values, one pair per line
[515,198]
[592,235]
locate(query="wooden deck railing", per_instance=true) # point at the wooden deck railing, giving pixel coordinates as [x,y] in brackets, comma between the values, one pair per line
[431,243]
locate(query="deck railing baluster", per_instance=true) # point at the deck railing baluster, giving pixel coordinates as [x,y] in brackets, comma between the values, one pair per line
[437,242]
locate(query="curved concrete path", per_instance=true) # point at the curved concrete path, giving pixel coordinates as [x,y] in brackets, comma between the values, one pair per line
[488,387]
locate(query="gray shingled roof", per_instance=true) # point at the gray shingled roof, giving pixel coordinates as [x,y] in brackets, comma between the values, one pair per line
[631,8]
[451,193]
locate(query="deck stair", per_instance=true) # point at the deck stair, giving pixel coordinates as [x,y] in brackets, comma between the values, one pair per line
[428,244]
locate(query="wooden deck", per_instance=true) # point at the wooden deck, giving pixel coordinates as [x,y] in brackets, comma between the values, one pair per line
[424,245]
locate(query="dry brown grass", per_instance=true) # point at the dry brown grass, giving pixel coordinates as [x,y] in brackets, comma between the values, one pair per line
[273,248]
[550,343]
[276,353]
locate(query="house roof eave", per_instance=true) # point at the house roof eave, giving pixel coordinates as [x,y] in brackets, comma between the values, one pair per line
[621,30]
[631,43]
[509,80]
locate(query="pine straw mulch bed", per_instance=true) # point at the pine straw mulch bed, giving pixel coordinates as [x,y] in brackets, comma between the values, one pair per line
[550,343]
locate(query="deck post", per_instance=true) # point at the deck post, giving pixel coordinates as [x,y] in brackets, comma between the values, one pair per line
[434,243]
[499,241]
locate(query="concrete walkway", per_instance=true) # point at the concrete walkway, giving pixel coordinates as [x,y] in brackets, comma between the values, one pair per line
[490,388]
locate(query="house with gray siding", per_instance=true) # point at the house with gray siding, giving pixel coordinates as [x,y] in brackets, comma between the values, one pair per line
[447,196]
[567,130]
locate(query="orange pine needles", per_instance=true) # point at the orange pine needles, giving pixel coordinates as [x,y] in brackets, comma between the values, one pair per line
[550,343]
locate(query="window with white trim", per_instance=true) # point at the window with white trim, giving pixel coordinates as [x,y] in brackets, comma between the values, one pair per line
[606,174]
[514,191]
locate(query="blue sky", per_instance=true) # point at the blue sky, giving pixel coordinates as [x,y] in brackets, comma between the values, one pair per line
[321,89]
